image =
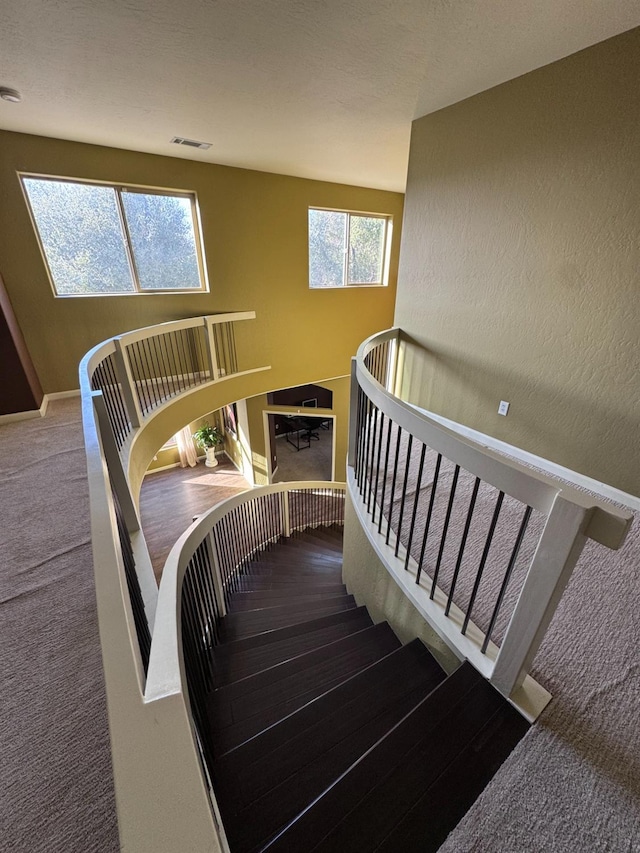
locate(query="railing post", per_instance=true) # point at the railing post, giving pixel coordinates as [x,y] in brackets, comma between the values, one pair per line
[127,384]
[114,463]
[215,570]
[286,521]
[397,367]
[558,551]
[211,349]
[353,416]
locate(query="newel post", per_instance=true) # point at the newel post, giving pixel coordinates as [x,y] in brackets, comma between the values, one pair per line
[557,553]
[127,383]
[286,518]
[214,562]
[353,416]
[114,463]
[214,372]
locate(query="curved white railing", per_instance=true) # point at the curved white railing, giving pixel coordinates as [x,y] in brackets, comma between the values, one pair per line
[125,382]
[433,503]
[203,569]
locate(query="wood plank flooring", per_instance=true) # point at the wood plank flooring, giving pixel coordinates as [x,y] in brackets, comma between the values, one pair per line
[170,499]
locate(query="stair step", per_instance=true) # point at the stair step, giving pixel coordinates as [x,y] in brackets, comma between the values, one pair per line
[296,566]
[425,827]
[325,534]
[296,561]
[249,584]
[249,696]
[242,663]
[369,679]
[326,677]
[237,625]
[256,599]
[312,545]
[360,810]
[317,539]
[227,650]
[259,797]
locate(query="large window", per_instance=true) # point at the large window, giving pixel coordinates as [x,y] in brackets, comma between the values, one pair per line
[103,239]
[348,249]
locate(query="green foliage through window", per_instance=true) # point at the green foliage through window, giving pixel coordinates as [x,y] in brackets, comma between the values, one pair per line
[100,239]
[347,249]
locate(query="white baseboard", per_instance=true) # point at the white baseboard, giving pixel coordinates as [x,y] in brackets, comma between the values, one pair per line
[574,477]
[62,395]
[25,416]
[42,411]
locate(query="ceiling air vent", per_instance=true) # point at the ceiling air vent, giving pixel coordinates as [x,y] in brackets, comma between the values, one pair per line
[192,143]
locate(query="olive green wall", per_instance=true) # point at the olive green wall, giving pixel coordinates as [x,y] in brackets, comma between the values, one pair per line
[255,236]
[520,261]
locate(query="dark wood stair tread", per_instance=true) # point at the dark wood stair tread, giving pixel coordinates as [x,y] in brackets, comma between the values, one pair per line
[273,582]
[285,594]
[227,651]
[258,798]
[247,662]
[396,664]
[425,827]
[309,671]
[327,734]
[227,738]
[360,810]
[237,625]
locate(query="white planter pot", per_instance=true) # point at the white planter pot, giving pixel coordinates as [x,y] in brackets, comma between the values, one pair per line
[211,460]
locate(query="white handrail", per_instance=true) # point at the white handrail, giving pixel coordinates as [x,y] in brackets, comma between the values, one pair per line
[157,767]
[571,517]
[608,525]
[166,667]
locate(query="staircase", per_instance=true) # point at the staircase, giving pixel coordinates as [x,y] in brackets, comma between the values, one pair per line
[328,733]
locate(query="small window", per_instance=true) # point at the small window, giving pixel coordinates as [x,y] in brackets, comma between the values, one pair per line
[103,239]
[348,249]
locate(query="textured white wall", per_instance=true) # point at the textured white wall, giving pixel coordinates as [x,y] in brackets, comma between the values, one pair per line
[520,263]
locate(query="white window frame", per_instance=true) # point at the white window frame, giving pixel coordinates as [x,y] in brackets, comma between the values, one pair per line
[386,248]
[120,188]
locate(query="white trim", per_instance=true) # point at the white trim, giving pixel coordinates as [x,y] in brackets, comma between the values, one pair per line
[31,414]
[150,471]
[62,395]
[553,468]
[531,698]
[12,417]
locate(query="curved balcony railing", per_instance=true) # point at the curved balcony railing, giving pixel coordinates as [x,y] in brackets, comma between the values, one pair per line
[128,379]
[482,545]
[204,568]
[125,383]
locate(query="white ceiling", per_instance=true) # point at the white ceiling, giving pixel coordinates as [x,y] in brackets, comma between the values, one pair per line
[318,88]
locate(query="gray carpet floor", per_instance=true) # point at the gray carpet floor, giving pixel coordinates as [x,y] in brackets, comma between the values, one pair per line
[56,789]
[310,463]
[572,784]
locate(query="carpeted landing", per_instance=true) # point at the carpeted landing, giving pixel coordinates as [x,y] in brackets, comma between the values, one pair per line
[56,784]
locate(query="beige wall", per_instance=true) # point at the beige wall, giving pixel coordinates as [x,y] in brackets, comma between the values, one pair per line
[520,261]
[255,235]
[368,580]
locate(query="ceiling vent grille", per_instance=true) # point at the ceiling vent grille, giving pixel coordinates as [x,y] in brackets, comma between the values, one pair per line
[192,143]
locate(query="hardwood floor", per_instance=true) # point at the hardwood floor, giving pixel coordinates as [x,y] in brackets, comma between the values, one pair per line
[170,499]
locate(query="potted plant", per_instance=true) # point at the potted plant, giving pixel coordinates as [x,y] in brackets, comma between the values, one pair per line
[208,438]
